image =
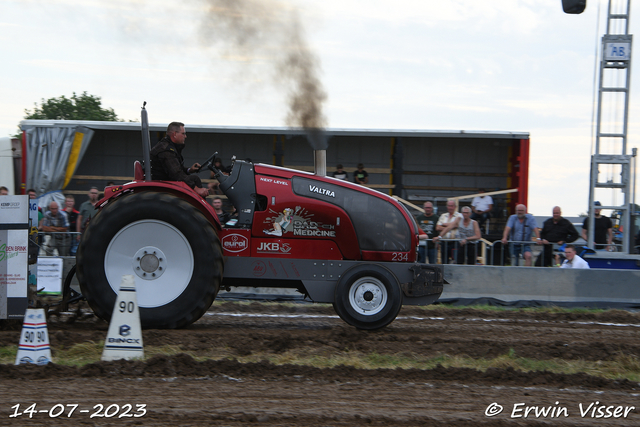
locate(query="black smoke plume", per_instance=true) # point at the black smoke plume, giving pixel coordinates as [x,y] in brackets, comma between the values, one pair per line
[270,31]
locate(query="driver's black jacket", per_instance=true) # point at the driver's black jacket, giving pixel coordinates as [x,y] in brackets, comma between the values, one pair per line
[167,164]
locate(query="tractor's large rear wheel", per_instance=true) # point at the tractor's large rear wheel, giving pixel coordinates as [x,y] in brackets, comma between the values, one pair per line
[169,247]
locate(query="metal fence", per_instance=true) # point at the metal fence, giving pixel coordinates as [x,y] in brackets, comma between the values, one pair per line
[58,244]
[478,252]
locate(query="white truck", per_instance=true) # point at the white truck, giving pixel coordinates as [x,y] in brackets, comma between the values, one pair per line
[6,165]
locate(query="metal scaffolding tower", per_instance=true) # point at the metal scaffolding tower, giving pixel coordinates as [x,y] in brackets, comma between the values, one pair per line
[611,127]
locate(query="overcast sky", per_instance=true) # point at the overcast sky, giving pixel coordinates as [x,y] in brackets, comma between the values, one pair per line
[499,65]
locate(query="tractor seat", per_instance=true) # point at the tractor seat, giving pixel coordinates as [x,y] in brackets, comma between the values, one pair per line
[138,171]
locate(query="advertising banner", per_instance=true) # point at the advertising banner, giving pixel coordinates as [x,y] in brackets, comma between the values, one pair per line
[14,240]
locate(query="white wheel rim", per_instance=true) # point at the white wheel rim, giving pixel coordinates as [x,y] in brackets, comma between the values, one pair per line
[164,280]
[368,296]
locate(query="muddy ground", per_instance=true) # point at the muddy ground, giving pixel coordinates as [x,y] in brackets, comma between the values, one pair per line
[178,390]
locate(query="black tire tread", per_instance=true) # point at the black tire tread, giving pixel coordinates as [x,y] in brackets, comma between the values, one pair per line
[380,320]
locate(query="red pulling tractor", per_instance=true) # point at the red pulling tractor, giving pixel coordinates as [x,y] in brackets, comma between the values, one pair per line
[334,241]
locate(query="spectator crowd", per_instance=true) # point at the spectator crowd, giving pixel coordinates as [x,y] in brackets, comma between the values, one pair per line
[456,236]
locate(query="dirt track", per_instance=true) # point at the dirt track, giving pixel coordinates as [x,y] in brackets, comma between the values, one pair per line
[179,390]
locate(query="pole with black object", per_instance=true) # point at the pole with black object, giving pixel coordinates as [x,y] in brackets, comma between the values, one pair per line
[146,143]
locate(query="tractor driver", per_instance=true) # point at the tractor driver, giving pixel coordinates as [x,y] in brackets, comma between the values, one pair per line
[167,163]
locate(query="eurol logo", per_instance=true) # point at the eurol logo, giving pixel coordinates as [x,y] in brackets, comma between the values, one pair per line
[235,243]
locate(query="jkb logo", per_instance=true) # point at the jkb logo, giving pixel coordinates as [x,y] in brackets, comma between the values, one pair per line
[274,247]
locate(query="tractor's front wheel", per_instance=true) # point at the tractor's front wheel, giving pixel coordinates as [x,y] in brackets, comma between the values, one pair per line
[368,296]
[169,247]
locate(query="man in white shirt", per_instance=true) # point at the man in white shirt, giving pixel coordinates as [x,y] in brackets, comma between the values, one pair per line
[481,206]
[573,259]
[447,227]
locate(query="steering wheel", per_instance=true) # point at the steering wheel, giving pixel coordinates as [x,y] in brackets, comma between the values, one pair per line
[208,163]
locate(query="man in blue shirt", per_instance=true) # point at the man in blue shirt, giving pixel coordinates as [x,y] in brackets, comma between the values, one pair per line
[519,229]
[56,222]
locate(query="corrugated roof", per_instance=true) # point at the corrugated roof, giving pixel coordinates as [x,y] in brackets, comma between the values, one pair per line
[160,127]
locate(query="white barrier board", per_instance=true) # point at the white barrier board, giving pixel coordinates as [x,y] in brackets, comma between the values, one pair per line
[50,275]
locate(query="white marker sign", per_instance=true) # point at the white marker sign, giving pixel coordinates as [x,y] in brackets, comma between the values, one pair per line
[34,340]
[617,51]
[124,339]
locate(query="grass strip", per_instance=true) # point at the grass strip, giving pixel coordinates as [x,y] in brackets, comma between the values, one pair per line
[622,367]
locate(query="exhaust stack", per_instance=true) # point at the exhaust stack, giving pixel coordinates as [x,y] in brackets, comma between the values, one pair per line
[320,162]
[318,140]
